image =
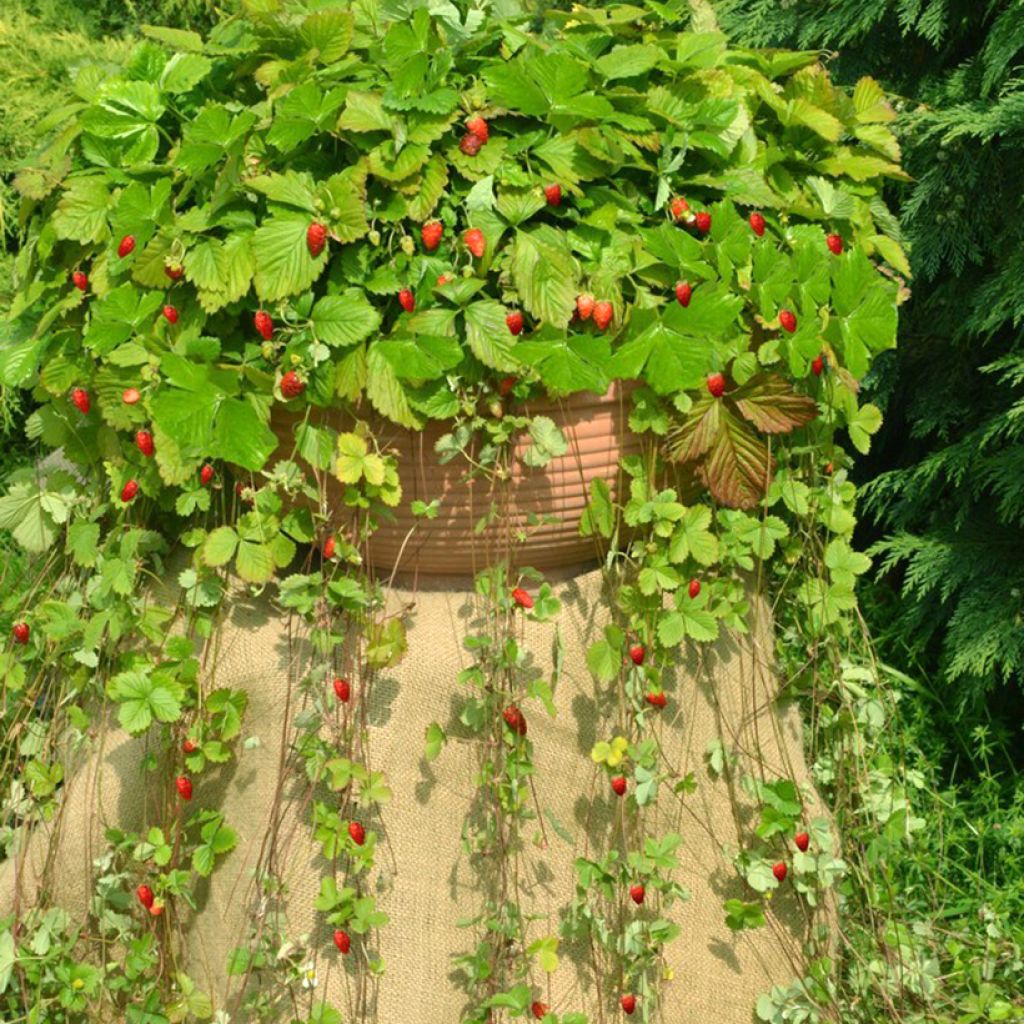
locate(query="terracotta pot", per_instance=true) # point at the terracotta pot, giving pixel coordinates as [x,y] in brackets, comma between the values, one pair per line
[598,436]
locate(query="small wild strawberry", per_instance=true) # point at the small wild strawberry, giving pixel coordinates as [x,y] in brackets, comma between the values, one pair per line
[507,384]
[80,400]
[356,833]
[170,314]
[206,475]
[157,909]
[292,385]
[316,238]
[834,243]
[603,313]
[628,1004]
[189,746]
[431,233]
[656,700]
[538,1009]
[130,396]
[585,305]
[330,546]
[802,840]
[703,222]
[818,365]
[183,784]
[780,871]
[342,690]
[684,292]
[514,322]
[679,207]
[407,300]
[442,280]
[475,242]
[694,589]
[637,654]
[619,785]
[637,893]
[757,224]
[470,144]
[174,271]
[522,598]
[21,632]
[342,941]
[787,321]
[80,280]
[145,895]
[478,126]
[716,385]
[515,719]
[264,325]
[828,469]
[553,194]
[126,246]
[128,492]
[144,442]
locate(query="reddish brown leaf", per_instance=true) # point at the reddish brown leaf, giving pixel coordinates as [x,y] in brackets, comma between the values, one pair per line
[739,467]
[770,403]
[697,434]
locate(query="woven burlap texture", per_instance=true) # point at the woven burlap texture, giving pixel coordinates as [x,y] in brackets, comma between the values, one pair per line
[725,691]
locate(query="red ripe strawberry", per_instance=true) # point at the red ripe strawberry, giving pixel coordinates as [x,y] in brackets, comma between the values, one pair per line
[603,313]
[828,469]
[637,893]
[184,786]
[694,588]
[170,314]
[128,492]
[683,293]
[130,396]
[316,238]
[637,654]
[357,833]
[264,325]
[342,690]
[80,399]
[206,475]
[834,243]
[703,222]
[553,194]
[679,207]
[656,700]
[174,271]
[442,279]
[757,224]
[818,366]
[478,126]
[189,746]
[157,909]
[80,280]
[522,598]
[802,840]
[787,321]
[628,1003]
[126,246]
[619,785]
[514,322]
[407,300]
[475,242]
[20,632]
[514,719]
[431,233]
[292,385]
[716,385]
[780,871]
[470,144]
[585,305]
[330,545]
[144,442]
[342,940]
[506,385]
[145,895]
[538,1009]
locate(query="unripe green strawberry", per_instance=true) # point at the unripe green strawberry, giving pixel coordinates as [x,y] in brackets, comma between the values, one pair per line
[373,237]
[408,245]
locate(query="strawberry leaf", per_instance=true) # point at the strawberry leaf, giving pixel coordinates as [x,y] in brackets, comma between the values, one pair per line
[283,264]
[770,403]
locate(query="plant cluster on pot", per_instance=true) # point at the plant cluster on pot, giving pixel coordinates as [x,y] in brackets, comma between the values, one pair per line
[617,273]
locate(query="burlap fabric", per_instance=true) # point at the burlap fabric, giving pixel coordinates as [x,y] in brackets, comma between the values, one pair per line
[725,691]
